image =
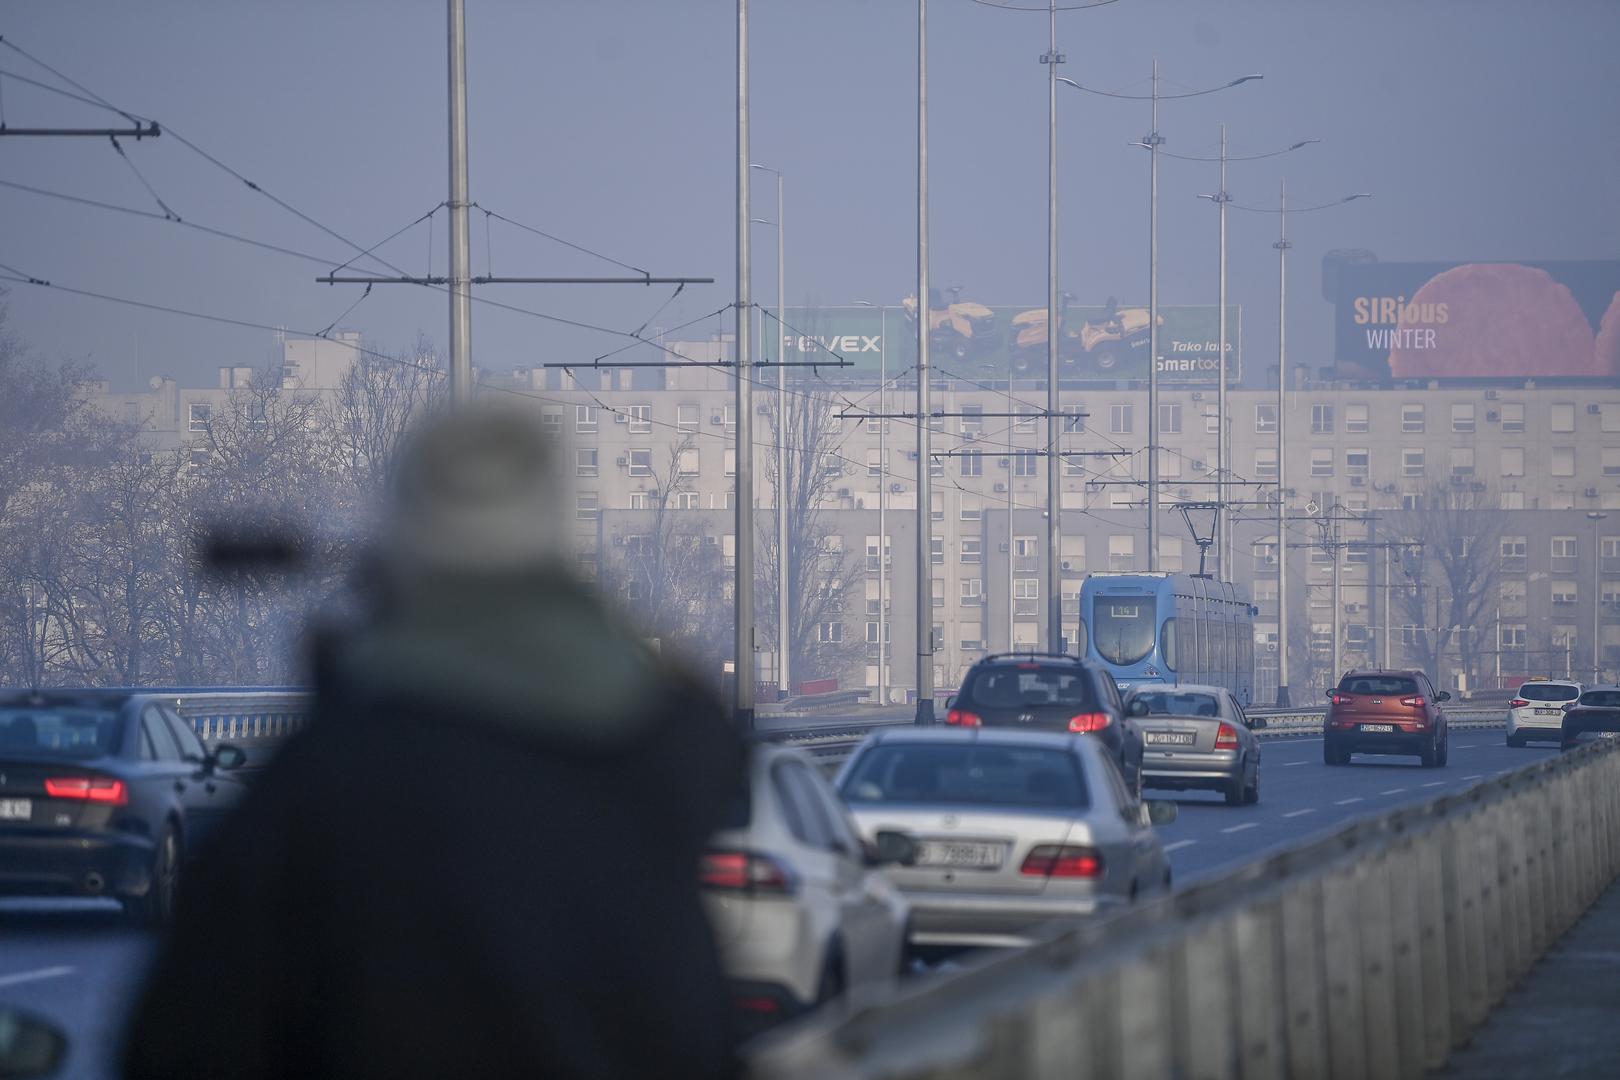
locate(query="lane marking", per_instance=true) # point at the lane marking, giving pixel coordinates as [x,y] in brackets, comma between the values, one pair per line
[1347,802]
[1466,746]
[1291,764]
[1178,845]
[34,976]
[1392,791]
[1476,776]
[1297,813]
[1240,828]
[1434,783]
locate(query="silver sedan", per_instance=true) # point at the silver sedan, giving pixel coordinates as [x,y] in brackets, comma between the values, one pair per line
[1013,830]
[1196,737]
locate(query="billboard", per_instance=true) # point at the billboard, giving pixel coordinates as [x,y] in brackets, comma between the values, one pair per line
[1478,320]
[1105,342]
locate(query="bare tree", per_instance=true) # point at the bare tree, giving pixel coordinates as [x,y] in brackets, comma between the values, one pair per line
[1458,531]
[377,401]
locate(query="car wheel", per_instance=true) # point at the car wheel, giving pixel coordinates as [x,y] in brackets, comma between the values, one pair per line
[1445,752]
[1251,794]
[832,974]
[1516,741]
[1430,757]
[156,908]
[1332,755]
[1234,790]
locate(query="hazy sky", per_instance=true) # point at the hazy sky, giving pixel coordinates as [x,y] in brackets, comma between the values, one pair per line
[1486,129]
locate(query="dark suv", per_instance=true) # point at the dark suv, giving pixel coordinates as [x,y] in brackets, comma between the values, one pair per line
[1385,712]
[1050,692]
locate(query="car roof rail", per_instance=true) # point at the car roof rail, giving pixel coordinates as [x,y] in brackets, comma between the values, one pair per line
[1030,654]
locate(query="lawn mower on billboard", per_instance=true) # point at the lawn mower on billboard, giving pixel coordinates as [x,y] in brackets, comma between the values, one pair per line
[960,329]
[1104,346]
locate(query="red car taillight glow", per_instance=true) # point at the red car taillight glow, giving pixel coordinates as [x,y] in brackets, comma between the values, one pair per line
[1414,702]
[1226,738]
[1089,723]
[1062,860]
[1340,699]
[743,871]
[97,789]
[963,718]
[1518,703]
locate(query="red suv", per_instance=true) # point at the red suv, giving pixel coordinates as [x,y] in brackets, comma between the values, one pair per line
[1385,712]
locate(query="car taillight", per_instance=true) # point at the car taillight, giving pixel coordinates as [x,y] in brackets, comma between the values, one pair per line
[1226,738]
[1062,860]
[1088,723]
[743,871]
[1340,699]
[1518,703]
[1414,702]
[100,789]
[963,718]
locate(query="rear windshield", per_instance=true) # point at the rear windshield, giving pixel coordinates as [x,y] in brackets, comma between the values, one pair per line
[1603,699]
[1016,686]
[57,732]
[1378,684]
[969,774]
[1533,691]
[1173,703]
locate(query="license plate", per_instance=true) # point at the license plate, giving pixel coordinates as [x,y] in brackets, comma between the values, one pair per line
[981,856]
[16,809]
[1549,712]
[1382,728]
[1170,738]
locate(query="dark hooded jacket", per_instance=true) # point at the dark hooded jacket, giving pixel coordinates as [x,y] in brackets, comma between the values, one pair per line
[478,860]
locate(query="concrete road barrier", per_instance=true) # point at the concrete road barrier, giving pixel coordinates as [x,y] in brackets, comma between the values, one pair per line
[1371,951]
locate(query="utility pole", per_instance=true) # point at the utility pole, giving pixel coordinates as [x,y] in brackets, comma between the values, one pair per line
[1153,140]
[460,251]
[1054,499]
[743,587]
[784,447]
[1282,412]
[925,531]
[883,508]
[1596,519]
[1223,547]
[1387,598]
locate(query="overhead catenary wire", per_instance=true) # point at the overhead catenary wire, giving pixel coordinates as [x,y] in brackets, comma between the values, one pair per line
[150,190]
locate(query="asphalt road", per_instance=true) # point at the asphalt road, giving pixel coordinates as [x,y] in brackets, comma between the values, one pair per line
[77,965]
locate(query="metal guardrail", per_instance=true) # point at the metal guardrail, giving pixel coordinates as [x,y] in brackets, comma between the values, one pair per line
[1371,951]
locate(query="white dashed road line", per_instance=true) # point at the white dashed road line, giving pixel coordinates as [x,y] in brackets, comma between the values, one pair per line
[1297,813]
[1240,828]
[1178,845]
[1476,776]
[1466,746]
[34,976]
[1392,791]
[1434,783]
[1291,764]
[1347,802]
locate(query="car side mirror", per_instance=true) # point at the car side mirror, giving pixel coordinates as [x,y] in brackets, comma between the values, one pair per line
[1444,695]
[1139,707]
[950,702]
[1162,812]
[890,848]
[29,1047]
[228,757]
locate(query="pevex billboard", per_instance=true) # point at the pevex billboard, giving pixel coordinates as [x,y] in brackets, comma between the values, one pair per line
[1105,342]
[1478,320]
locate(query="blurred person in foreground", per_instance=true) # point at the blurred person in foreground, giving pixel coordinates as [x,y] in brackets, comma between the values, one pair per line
[480,857]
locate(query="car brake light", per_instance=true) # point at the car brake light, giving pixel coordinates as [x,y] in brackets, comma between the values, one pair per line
[1340,699]
[963,718]
[742,871]
[1414,702]
[1226,738]
[1087,723]
[1062,860]
[1518,703]
[759,1004]
[99,789]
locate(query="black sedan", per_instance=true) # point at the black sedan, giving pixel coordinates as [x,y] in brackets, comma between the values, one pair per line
[1595,714]
[106,794]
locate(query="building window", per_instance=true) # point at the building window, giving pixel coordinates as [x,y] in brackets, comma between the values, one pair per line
[1512,500]
[970,549]
[640,462]
[1515,550]
[972,419]
[1265,419]
[1026,596]
[1412,461]
[1171,553]
[688,463]
[1611,547]
[584,419]
[1512,636]
[585,462]
[1356,554]
[937,594]
[1611,461]
[199,414]
[1357,461]
[688,417]
[874,462]
[1072,553]
[1563,547]
[1512,461]
[1355,419]
[729,460]
[1321,419]
[1025,421]
[1073,464]
[1563,592]
[972,463]
[692,500]
[1322,461]
[728,418]
[1074,420]
[638,500]
[1513,595]
[1169,463]
[1462,417]
[1120,498]
[587,506]
[551,420]
[728,551]
[830,633]
[1513,416]
[936,505]
[1121,418]
[1170,419]
[1561,500]
[1563,461]
[1122,552]
[936,550]
[972,592]
[640,419]
[1563,418]
[872,553]
[1462,461]
[1212,422]
[1024,463]
[1412,418]
[972,508]
[1611,592]
[1265,554]
[1265,463]
[1610,413]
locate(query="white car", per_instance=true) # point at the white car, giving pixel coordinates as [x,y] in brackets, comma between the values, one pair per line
[1537,710]
[800,910]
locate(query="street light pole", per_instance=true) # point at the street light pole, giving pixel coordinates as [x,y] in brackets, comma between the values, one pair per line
[925,532]
[1282,389]
[1054,499]
[784,448]
[883,501]
[1153,140]
[1597,592]
[743,584]
[1224,537]
[460,249]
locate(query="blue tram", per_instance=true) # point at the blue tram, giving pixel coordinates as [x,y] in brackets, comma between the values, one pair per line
[1172,628]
